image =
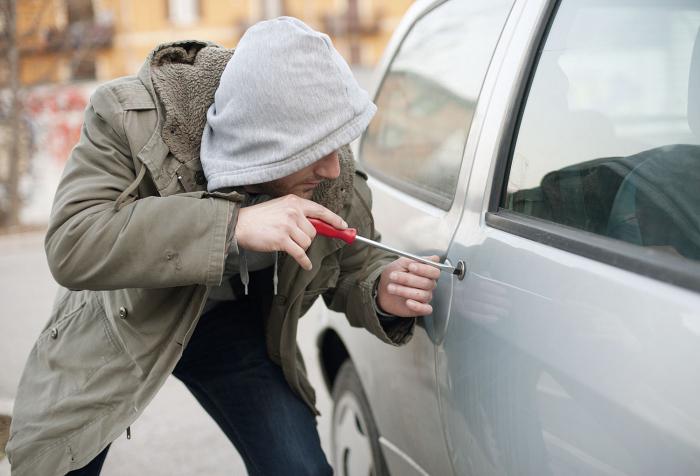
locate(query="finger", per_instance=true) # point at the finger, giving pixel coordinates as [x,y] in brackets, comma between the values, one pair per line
[424,270]
[300,238]
[307,227]
[420,295]
[296,252]
[412,280]
[419,308]
[314,210]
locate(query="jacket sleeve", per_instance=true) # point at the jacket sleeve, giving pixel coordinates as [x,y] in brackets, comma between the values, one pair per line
[150,242]
[360,268]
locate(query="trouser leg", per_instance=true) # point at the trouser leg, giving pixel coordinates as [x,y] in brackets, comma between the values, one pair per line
[93,468]
[227,369]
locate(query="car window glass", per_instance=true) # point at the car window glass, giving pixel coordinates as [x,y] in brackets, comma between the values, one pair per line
[609,140]
[427,99]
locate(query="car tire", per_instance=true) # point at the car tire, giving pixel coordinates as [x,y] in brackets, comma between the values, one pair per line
[354,437]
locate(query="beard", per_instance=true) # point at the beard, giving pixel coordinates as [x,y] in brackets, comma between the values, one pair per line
[274,189]
[281,187]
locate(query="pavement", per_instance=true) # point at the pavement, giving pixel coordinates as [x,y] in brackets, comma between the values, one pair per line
[174,436]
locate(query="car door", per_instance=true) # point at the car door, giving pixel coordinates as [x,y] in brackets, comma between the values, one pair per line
[573,344]
[414,152]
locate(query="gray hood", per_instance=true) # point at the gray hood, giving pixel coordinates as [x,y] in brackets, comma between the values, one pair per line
[185,76]
[286,99]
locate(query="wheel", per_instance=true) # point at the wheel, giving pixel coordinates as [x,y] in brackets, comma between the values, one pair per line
[354,435]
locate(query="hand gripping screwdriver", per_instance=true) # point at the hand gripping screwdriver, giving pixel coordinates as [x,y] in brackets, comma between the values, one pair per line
[349,236]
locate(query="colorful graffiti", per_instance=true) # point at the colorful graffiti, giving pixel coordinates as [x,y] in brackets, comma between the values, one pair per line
[56,115]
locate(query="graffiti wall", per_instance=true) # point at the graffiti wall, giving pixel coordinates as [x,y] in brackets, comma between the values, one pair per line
[54,115]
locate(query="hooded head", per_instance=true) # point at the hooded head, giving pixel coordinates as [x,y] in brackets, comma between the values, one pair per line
[285,100]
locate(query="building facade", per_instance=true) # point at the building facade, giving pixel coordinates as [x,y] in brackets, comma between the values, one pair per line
[60,50]
[62,41]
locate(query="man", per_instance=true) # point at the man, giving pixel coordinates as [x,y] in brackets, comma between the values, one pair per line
[144,250]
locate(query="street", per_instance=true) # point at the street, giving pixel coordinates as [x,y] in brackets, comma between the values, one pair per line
[174,436]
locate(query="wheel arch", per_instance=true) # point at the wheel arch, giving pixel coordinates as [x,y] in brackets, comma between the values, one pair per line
[332,353]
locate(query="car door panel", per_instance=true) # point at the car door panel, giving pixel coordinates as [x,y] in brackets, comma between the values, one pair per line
[540,379]
[414,152]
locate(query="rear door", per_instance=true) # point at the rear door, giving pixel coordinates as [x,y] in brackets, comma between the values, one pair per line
[414,152]
[573,345]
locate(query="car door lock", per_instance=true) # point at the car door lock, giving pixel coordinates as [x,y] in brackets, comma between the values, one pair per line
[460,269]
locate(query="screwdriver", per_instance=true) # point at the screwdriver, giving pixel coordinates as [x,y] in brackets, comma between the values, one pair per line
[349,236]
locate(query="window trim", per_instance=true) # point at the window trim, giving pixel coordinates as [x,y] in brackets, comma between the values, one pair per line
[516,108]
[412,189]
[648,262]
[679,271]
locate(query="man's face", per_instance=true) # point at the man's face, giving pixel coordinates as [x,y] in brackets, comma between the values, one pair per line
[304,182]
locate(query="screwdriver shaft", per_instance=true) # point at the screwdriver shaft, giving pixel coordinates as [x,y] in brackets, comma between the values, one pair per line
[349,235]
[440,266]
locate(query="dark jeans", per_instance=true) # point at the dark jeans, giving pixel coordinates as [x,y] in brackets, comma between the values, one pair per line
[226,367]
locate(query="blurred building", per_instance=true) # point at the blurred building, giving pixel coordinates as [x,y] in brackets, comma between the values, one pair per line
[66,40]
[60,41]
[55,52]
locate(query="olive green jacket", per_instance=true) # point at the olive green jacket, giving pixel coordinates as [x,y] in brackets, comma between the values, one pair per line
[136,241]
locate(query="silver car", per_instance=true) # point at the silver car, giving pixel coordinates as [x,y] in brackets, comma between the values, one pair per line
[552,147]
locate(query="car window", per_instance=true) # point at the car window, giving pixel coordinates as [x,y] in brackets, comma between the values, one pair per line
[609,139]
[428,96]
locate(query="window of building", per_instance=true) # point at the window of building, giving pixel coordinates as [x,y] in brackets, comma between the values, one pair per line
[428,96]
[183,12]
[80,11]
[83,68]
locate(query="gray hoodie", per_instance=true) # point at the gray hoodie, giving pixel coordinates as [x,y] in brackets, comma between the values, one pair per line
[286,99]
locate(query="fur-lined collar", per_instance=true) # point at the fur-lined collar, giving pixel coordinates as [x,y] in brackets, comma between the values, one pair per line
[185,76]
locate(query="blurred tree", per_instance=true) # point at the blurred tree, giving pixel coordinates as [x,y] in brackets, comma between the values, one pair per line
[10,115]
[349,26]
[43,41]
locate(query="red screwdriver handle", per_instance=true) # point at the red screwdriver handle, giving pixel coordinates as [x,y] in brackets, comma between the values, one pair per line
[324,229]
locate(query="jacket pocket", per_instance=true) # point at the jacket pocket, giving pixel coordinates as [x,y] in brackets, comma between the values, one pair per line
[326,279]
[76,344]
